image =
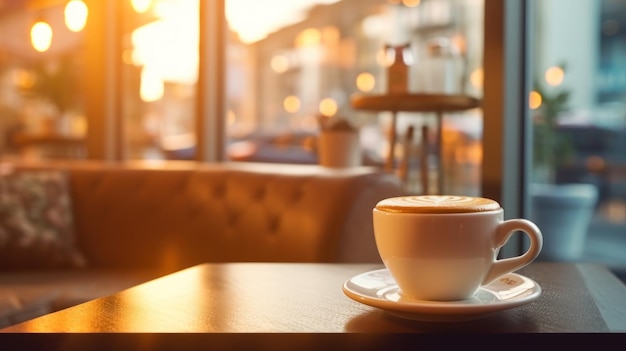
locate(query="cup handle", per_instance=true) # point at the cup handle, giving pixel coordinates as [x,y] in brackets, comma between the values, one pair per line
[503,233]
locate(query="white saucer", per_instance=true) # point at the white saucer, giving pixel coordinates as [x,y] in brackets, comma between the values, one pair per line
[378,289]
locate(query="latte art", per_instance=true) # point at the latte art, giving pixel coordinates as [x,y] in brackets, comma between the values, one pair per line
[437,204]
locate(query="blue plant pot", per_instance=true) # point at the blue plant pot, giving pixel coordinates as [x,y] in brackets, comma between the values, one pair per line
[563,213]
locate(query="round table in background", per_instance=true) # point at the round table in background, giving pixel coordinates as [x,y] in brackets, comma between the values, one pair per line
[414,102]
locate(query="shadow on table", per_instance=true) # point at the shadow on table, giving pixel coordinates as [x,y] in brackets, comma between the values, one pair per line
[378,321]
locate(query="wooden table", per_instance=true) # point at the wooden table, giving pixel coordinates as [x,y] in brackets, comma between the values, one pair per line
[305,302]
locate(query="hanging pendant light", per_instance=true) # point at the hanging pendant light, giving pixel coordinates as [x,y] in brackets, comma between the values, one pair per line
[76,13]
[41,36]
[141,6]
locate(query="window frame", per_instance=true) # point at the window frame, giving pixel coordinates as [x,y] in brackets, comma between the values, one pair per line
[507,126]
[506,136]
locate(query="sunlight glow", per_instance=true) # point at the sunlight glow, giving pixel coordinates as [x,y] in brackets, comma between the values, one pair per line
[41,36]
[141,6]
[151,88]
[76,13]
[167,49]
[309,37]
[253,20]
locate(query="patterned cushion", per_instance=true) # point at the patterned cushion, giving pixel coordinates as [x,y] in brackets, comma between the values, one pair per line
[36,222]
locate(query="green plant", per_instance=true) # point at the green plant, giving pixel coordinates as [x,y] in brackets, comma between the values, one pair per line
[551,149]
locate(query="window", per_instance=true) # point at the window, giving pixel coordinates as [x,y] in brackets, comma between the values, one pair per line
[285,81]
[580,86]
[160,75]
[41,89]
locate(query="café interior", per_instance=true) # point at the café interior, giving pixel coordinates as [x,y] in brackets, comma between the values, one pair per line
[257,82]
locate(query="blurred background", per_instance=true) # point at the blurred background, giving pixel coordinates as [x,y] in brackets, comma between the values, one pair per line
[76,74]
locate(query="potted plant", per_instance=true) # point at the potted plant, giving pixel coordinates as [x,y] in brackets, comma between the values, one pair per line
[338,144]
[562,211]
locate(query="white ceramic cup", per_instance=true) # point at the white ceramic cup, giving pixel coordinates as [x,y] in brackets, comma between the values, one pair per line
[443,248]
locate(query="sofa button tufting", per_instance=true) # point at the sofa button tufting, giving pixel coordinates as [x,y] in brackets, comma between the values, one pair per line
[260,193]
[219,190]
[274,224]
[297,195]
[233,218]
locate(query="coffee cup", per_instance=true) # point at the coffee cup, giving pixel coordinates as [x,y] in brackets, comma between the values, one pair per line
[444,248]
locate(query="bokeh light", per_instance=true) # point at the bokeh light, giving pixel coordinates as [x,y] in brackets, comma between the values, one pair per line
[365,82]
[534,100]
[554,76]
[291,104]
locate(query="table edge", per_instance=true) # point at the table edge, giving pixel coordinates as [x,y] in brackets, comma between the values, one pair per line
[596,277]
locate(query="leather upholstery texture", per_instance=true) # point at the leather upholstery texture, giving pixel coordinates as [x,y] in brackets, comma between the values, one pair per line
[173,214]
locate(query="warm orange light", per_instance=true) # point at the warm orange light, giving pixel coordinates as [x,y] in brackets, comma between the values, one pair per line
[291,104]
[141,6]
[477,77]
[331,35]
[279,63]
[410,3]
[41,36]
[24,79]
[328,107]
[365,82]
[76,13]
[151,87]
[168,46]
[127,56]
[534,100]
[554,76]
[309,37]
[199,303]
[470,154]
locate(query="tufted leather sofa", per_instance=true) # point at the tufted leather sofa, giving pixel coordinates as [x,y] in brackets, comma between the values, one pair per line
[137,220]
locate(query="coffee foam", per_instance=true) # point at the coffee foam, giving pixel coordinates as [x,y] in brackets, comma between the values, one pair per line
[437,204]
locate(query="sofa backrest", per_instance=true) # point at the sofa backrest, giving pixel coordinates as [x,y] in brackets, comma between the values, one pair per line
[172,215]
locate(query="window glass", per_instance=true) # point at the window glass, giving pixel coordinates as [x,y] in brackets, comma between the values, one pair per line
[44,83]
[41,100]
[285,82]
[295,66]
[160,72]
[579,120]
